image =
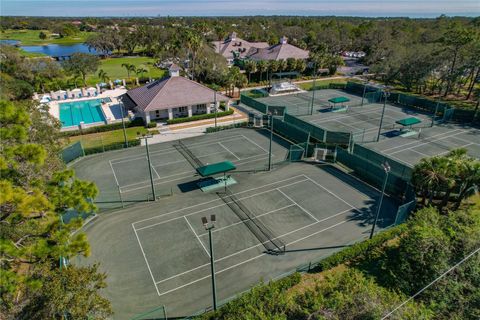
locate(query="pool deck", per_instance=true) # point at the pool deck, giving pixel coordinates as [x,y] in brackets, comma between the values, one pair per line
[54,107]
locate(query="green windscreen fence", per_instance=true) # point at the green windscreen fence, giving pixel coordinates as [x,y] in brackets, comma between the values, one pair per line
[159,313]
[358,88]
[297,152]
[72,152]
[369,168]
[257,105]
[290,131]
[403,211]
[315,132]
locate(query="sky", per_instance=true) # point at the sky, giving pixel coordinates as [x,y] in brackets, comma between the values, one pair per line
[126,8]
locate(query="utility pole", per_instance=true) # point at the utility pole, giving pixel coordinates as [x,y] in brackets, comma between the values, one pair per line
[209,227]
[386,168]
[386,94]
[146,137]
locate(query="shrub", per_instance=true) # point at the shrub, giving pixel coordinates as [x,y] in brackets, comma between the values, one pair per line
[231,126]
[137,122]
[359,249]
[200,117]
[151,125]
[112,146]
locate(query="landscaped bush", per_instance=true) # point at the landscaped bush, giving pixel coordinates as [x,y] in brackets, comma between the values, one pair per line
[111,146]
[151,125]
[359,249]
[230,126]
[137,122]
[200,117]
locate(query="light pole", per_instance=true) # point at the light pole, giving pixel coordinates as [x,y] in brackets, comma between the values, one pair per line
[271,139]
[209,227]
[435,113]
[364,89]
[123,123]
[386,168]
[386,94]
[314,84]
[215,106]
[146,137]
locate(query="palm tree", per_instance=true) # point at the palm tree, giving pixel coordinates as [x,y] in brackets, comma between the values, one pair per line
[427,176]
[250,67]
[194,43]
[129,67]
[262,66]
[469,178]
[140,71]
[103,76]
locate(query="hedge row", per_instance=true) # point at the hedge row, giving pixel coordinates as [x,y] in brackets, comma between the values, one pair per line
[112,146]
[200,117]
[359,249]
[230,126]
[138,122]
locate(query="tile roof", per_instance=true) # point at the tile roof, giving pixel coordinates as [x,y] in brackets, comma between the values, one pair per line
[171,92]
[277,52]
[241,46]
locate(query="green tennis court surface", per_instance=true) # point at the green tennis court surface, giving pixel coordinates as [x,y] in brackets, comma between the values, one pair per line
[124,175]
[157,253]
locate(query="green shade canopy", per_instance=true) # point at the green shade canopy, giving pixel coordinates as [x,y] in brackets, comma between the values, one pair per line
[408,121]
[219,167]
[338,100]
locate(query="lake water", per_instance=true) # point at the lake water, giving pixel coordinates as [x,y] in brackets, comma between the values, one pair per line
[56,50]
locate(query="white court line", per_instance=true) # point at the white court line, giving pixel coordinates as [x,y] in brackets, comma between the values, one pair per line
[158,176]
[214,200]
[214,207]
[320,120]
[254,246]
[233,154]
[196,235]
[113,171]
[303,209]
[238,163]
[462,146]
[173,150]
[146,261]
[240,222]
[422,144]
[253,258]
[408,163]
[416,141]
[420,153]
[332,193]
[255,143]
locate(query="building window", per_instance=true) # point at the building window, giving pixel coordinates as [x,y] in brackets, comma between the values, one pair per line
[157,113]
[201,107]
[182,109]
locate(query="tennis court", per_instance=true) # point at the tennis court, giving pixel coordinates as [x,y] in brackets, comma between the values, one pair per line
[437,140]
[125,176]
[157,254]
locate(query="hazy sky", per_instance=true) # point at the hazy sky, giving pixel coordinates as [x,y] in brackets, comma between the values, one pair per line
[411,8]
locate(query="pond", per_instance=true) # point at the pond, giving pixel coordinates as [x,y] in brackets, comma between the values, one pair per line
[56,50]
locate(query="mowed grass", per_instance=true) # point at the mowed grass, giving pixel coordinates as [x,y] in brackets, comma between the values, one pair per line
[320,82]
[113,68]
[100,139]
[31,37]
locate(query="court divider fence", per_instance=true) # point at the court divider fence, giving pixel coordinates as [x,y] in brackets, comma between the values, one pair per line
[158,313]
[72,152]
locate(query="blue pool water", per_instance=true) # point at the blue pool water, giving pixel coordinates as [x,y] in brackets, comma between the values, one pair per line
[88,111]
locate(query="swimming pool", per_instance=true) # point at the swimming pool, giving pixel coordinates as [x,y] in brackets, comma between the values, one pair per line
[88,111]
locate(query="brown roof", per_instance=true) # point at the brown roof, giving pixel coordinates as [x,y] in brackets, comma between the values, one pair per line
[277,52]
[241,46]
[171,92]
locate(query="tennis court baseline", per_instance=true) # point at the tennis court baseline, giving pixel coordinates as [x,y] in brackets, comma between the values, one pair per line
[290,208]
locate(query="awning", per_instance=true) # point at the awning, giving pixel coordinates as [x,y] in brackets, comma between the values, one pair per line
[338,100]
[215,168]
[408,121]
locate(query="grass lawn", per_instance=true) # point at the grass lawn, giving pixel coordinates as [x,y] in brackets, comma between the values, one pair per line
[109,137]
[113,68]
[320,82]
[30,37]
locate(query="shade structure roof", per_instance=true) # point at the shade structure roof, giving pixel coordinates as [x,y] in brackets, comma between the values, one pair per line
[215,168]
[338,100]
[408,121]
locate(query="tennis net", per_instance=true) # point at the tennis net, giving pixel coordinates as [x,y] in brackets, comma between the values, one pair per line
[188,154]
[272,244]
